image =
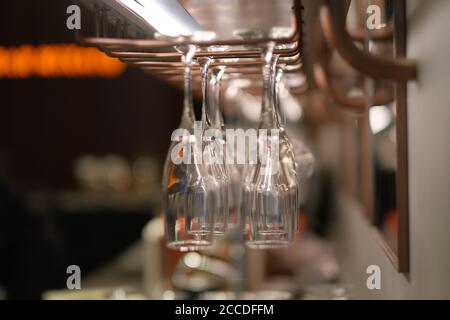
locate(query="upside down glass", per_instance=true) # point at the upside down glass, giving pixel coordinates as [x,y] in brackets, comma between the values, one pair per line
[297,160]
[189,208]
[233,178]
[213,153]
[268,196]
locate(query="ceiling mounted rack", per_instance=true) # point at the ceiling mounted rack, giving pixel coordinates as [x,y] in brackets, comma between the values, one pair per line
[144,49]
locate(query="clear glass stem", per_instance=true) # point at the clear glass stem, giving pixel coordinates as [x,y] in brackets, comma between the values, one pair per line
[188,104]
[278,75]
[204,63]
[214,107]
[269,116]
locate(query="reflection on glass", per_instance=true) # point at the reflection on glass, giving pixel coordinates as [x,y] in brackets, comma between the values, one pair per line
[271,202]
[188,207]
[212,147]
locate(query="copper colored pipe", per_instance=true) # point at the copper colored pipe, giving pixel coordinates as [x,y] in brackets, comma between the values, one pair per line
[333,15]
[323,76]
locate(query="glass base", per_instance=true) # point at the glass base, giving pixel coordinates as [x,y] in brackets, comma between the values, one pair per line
[273,232]
[268,244]
[189,245]
[199,232]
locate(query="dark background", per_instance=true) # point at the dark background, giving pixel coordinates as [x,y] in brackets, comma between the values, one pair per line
[45,125]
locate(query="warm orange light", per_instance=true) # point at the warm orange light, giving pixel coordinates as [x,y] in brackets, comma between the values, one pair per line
[56,61]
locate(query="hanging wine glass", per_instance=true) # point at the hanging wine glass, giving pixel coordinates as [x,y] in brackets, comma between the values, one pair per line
[304,157]
[286,151]
[233,173]
[213,151]
[298,162]
[287,155]
[248,171]
[268,197]
[189,209]
[231,169]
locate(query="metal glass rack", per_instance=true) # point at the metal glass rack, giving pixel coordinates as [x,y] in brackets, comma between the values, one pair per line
[142,48]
